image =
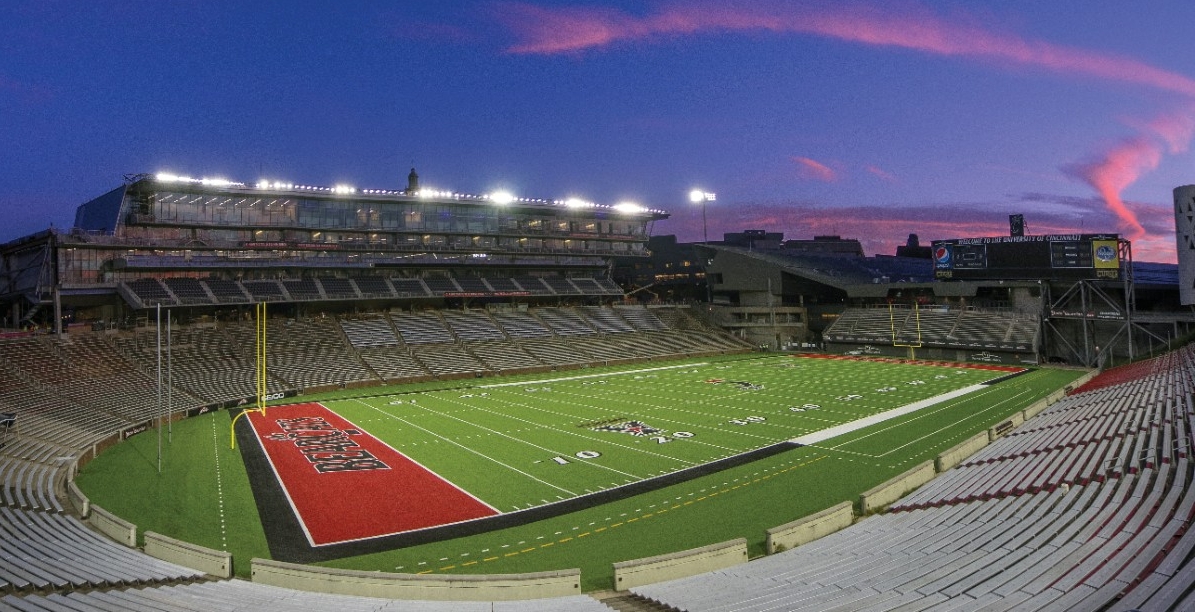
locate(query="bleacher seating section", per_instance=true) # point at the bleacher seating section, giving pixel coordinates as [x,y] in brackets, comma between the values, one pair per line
[1086,506]
[936,326]
[149,292]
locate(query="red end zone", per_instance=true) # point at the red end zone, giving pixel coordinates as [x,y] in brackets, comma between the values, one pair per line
[346,485]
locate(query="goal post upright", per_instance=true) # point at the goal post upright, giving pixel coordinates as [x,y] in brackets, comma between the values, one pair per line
[892,325]
[259,323]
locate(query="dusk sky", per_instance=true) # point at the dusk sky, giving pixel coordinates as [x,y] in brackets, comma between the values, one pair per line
[870,120]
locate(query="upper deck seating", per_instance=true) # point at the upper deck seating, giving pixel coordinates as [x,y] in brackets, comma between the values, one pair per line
[338,288]
[560,285]
[373,286]
[188,290]
[151,292]
[302,289]
[502,285]
[440,285]
[409,287]
[533,285]
[226,291]
[264,290]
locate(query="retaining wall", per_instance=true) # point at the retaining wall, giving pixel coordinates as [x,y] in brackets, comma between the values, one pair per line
[491,587]
[214,562]
[896,488]
[113,526]
[638,572]
[810,528]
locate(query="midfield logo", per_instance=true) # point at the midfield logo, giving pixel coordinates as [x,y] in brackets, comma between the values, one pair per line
[327,448]
[635,428]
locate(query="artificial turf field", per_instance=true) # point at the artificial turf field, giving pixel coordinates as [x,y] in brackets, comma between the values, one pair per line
[514,444]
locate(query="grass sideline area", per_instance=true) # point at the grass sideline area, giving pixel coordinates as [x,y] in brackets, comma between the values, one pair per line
[197,501]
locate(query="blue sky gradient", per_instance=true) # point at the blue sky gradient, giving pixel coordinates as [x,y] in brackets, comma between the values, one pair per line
[870,120]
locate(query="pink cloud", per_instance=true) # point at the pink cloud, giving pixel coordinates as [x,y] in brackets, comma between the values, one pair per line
[545,31]
[883,175]
[882,228]
[814,170]
[1122,163]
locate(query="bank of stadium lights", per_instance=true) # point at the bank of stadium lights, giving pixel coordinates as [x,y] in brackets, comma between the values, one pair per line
[501,197]
[165,177]
[497,197]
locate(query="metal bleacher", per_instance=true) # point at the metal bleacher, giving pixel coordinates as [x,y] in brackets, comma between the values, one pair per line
[1085,507]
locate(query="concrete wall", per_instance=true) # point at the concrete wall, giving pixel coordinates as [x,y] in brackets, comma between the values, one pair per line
[77,499]
[810,528]
[896,488]
[956,454]
[493,587]
[638,572]
[113,526]
[215,562]
[1006,426]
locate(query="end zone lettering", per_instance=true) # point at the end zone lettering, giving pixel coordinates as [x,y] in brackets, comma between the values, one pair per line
[327,448]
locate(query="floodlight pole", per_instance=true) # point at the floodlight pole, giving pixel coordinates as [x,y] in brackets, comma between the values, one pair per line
[169,385]
[159,396]
[704,197]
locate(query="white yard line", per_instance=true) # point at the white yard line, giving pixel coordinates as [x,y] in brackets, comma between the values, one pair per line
[455,443]
[838,430]
[602,375]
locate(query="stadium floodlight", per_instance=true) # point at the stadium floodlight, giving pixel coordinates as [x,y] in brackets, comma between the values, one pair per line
[703,197]
[344,189]
[578,203]
[628,207]
[502,197]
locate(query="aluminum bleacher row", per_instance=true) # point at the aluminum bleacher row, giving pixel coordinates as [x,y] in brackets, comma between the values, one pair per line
[51,560]
[1100,521]
[935,326]
[149,292]
[1088,506]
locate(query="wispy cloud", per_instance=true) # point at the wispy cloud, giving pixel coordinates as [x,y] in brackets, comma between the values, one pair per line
[882,228]
[1122,163]
[543,30]
[904,25]
[814,170]
[882,174]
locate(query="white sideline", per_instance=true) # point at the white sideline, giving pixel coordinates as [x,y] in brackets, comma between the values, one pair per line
[838,430]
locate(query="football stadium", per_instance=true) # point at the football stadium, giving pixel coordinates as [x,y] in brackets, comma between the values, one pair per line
[218,395]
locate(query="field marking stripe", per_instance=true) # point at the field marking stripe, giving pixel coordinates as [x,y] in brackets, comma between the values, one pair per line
[521,441]
[586,437]
[838,430]
[479,454]
[563,378]
[282,484]
[944,428]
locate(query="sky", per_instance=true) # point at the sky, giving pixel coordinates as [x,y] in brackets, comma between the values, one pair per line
[869,120]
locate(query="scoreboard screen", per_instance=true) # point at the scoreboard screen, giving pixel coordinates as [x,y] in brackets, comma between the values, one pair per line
[1063,257]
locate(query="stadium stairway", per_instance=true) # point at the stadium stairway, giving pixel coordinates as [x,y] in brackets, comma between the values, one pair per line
[625,601]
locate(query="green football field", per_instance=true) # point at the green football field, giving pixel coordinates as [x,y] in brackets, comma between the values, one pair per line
[531,440]
[521,444]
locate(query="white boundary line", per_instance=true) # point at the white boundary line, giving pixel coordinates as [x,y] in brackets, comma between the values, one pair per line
[838,430]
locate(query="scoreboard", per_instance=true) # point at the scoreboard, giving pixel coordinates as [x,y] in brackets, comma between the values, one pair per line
[1061,257]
